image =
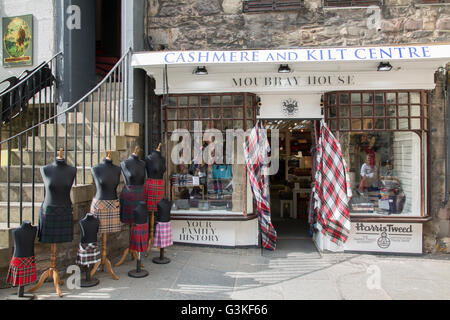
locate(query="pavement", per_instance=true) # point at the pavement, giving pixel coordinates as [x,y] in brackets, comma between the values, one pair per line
[295,271]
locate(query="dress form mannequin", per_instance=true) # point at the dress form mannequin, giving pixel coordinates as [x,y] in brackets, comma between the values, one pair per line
[155,165]
[133,171]
[24,237]
[106,206]
[89,226]
[58,179]
[139,238]
[164,226]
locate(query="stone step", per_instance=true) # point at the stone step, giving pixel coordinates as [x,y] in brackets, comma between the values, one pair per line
[14,212]
[79,193]
[129,129]
[40,159]
[118,143]
[28,171]
[112,114]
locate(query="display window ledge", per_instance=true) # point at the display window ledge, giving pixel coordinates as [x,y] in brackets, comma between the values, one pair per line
[208,215]
[392,218]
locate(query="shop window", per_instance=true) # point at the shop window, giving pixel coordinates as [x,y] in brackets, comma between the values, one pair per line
[351,3]
[383,136]
[208,181]
[272,5]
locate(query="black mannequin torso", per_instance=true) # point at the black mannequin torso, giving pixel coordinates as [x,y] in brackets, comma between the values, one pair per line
[89,228]
[106,177]
[133,171]
[24,238]
[155,165]
[141,213]
[163,213]
[58,179]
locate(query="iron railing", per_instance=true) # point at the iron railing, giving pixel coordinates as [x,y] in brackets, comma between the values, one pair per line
[95,118]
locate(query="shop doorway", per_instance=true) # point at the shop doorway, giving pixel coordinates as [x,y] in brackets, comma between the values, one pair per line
[107,36]
[290,188]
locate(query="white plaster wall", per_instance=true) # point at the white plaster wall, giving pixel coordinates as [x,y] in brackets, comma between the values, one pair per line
[44,28]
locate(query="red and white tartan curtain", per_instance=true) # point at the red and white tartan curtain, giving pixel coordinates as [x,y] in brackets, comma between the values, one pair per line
[332,190]
[256,150]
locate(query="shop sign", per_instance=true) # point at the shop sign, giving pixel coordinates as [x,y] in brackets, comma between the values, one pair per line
[293,81]
[385,237]
[203,232]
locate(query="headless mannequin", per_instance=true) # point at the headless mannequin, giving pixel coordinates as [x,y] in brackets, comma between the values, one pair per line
[133,170]
[140,217]
[89,228]
[24,237]
[58,179]
[164,207]
[107,178]
[155,165]
[24,240]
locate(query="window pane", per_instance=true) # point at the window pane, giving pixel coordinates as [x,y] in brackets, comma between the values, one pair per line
[391,97]
[249,112]
[368,111]
[356,124]
[205,113]
[402,111]
[425,111]
[171,114]
[379,124]
[402,97]
[217,124]
[193,101]
[333,124]
[215,100]
[368,124]
[226,100]
[332,99]
[367,98]
[215,113]
[250,124]
[238,113]
[379,97]
[379,111]
[344,98]
[356,111]
[402,124]
[171,125]
[182,114]
[344,111]
[205,100]
[173,101]
[227,113]
[238,100]
[415,124]
[344,124]
[415,97]
[193,113]
[238,124]
[415,110]
[390,111]
[356,98]
[391,124]
[332,112]
[183,101]
[227,124]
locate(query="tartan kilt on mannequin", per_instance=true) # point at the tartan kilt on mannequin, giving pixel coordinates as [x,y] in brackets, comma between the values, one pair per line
[163,235]
[108,213]
[154,192]
[22,271]
[88,253]
[55,224]
[129,200]
[139,237]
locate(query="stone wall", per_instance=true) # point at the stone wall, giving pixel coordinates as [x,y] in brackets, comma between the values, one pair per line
[220,24]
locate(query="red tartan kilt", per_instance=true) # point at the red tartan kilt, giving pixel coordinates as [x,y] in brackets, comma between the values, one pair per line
[22,271]
[154,192]
[139,237]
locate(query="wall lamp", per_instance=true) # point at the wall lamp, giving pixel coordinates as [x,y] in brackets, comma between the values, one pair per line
[284,68]
[200,71]
[384,66]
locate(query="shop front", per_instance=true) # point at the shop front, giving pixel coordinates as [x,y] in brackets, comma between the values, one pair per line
[380,118]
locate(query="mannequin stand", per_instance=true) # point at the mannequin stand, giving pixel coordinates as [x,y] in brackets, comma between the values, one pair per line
[125,253]
[89,282]
[51,273]
[139,272]
[21,295]
[161,259]
[104,261]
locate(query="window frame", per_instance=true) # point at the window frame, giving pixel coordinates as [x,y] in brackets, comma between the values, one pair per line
[425,104]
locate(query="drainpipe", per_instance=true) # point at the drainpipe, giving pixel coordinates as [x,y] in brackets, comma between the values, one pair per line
[446,89]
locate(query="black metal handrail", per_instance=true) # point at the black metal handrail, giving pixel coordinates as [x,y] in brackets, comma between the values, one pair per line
[103,108]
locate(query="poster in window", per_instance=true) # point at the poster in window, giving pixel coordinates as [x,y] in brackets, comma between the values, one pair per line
[17,41]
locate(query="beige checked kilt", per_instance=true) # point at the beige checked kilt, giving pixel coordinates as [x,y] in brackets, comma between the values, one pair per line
[108,212]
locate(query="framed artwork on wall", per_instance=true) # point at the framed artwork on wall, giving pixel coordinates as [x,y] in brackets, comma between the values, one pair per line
[17,36]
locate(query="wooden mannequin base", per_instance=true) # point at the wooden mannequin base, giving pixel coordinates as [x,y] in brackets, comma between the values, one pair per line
[51,274]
